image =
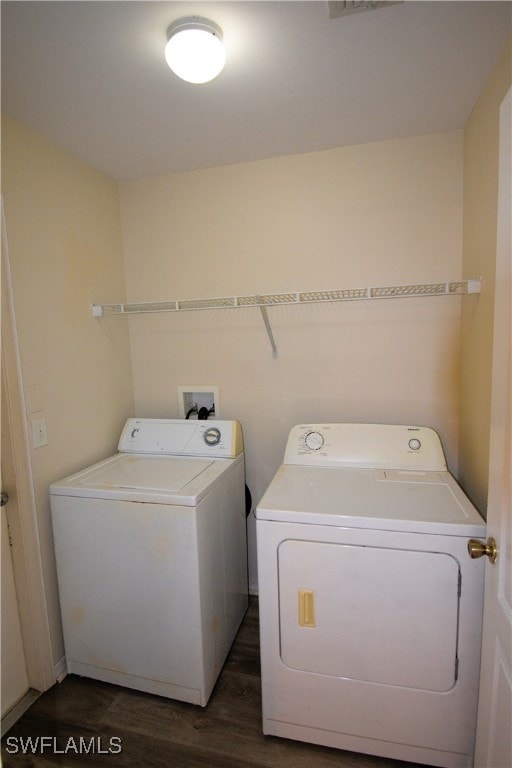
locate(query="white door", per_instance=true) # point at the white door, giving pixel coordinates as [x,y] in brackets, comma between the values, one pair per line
[14,669]
[494,738]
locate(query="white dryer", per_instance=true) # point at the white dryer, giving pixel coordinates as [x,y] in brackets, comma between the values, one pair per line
[152,557]
[370,606]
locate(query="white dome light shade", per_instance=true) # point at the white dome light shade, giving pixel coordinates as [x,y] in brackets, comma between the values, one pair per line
[195,51]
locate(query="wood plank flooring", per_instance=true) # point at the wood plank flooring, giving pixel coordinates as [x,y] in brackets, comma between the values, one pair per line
[154,732]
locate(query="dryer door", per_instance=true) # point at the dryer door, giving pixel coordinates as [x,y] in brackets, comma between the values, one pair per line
[366,613]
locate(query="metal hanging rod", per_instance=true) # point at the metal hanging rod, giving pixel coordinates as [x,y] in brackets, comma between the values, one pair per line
[280,299]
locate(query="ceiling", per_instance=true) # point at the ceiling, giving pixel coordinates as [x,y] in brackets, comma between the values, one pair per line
[91,76]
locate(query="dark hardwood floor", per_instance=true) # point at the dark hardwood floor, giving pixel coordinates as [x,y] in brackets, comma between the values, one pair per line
[144,730]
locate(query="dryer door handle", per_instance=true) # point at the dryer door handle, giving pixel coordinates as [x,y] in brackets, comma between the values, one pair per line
[306,608]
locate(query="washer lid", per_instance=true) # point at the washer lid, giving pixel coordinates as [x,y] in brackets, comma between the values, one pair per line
[159,479]
[407,500]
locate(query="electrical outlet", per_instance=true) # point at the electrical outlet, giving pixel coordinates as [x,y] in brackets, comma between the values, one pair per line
[39,433]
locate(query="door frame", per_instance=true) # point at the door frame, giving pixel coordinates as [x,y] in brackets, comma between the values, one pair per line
[23,524]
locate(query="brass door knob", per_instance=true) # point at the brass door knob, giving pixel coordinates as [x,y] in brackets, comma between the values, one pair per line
[478,548]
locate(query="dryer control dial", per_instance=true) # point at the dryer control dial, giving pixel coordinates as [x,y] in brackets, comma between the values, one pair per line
[212,436]
[414,444]
[314,441]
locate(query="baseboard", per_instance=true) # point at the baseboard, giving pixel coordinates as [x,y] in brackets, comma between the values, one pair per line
[60,669]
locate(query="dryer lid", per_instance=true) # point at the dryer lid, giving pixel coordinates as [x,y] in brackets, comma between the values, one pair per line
[414,501]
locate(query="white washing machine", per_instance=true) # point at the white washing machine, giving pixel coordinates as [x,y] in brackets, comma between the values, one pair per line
[370,606]
[151,557]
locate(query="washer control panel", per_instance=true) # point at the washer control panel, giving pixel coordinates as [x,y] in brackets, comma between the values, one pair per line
[212,436]
[182,437]
[379,446]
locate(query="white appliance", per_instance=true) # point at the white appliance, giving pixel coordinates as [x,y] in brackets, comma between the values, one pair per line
[370,606]
[151,557]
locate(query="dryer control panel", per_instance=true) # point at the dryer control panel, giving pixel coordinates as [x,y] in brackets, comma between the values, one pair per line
[379,446]
[182,437]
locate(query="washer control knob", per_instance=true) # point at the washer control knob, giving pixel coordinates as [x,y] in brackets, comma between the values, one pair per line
[314,441]
[212,436]
[414,444]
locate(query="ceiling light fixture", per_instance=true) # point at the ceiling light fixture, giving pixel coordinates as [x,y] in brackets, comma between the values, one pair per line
[195,51]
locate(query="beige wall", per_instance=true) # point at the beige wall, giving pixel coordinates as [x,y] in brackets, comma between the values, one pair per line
[481,136]
[378,214]
[64,242]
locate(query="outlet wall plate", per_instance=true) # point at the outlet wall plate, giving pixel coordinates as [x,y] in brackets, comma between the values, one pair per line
[197,397]
[39,433]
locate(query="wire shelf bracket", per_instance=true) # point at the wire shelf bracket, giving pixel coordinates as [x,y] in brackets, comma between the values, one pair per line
[262,301]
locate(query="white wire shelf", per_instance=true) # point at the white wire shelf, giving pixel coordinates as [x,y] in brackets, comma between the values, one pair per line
[304,297]
[263,301]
